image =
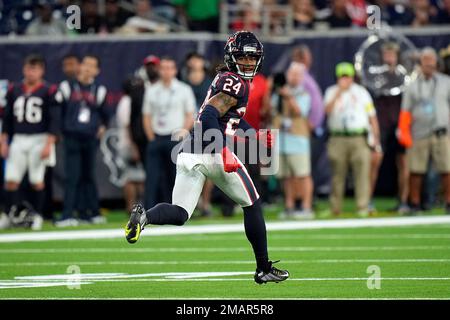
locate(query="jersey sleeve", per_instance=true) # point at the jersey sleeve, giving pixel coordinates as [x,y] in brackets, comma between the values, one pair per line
[232,85]
[8,117]
[54,126]
[102,104]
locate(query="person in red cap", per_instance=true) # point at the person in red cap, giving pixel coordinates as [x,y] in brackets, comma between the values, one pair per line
[149,70]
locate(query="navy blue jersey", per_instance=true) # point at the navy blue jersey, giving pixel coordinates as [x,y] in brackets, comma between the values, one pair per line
[83,108]
[233,85]
[31,112]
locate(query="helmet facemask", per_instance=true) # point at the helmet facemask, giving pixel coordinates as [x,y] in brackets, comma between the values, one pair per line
[240,68]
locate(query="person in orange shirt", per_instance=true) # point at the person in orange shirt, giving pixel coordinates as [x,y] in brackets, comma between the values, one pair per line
[257,116]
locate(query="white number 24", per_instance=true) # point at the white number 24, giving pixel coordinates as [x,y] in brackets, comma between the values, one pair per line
[229,85]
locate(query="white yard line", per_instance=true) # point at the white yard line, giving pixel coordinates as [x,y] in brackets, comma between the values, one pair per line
[217,262]
[218,249]
[225,228]
[219,298]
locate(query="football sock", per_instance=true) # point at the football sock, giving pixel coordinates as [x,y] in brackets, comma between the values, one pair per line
[255,230]
[37,200]
[165,213]
[11,199]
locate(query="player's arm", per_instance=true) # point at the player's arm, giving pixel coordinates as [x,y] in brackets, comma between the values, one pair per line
[222,102]
[54,116]
[103,108]
[215,108]
[7,125]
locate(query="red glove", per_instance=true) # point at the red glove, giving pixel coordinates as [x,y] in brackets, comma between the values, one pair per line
[266,138]
[230,164]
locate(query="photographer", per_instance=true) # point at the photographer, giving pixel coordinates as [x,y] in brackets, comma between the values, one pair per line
[291,107]
[423,127]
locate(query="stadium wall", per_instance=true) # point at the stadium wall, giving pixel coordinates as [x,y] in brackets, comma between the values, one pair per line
[121,56]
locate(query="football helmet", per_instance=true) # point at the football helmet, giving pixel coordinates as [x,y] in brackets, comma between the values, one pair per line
[243,43]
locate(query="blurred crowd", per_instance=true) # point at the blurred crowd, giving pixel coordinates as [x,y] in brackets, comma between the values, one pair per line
[48,17]
[410,127]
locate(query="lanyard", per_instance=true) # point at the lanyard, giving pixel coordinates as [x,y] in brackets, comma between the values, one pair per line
[77,88]
[432,91]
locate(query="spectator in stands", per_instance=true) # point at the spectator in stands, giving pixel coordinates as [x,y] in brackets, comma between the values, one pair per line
[90,18]
[165,9]
[199,15]
[424,13]
[395,14]
[351,115]
[443,16]
[291,106]
[304,14]
[357,10]
[115,16]
[168,110]
[45,24]
[424,126]
[339,17]
[145,20]
[84,120]
[248,18]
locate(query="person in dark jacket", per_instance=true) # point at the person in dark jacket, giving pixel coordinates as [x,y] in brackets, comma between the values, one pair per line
[83,123]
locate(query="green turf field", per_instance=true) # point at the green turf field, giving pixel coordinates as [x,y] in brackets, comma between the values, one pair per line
[412,261]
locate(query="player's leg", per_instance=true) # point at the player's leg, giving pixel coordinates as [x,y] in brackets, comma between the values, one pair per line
[88,177]
[36,173]
[188,186]
[16,167]
[72,168]
[36,176]
[239,187]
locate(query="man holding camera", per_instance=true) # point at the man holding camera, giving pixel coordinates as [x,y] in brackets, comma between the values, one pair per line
[424,125]
[292,106]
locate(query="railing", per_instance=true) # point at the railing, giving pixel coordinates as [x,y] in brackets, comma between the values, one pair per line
[266,20]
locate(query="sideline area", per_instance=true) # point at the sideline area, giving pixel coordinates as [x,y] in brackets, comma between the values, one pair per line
[224,228]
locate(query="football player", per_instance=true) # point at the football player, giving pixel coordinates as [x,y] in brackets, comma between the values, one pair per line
[29,131]
[221,112]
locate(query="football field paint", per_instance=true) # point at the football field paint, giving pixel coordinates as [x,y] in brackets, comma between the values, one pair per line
[414,262]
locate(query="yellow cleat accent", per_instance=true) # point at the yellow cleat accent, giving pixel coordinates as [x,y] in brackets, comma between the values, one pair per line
[132,233]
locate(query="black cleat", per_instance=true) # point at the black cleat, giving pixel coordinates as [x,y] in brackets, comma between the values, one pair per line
[274,275]
[134,226]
